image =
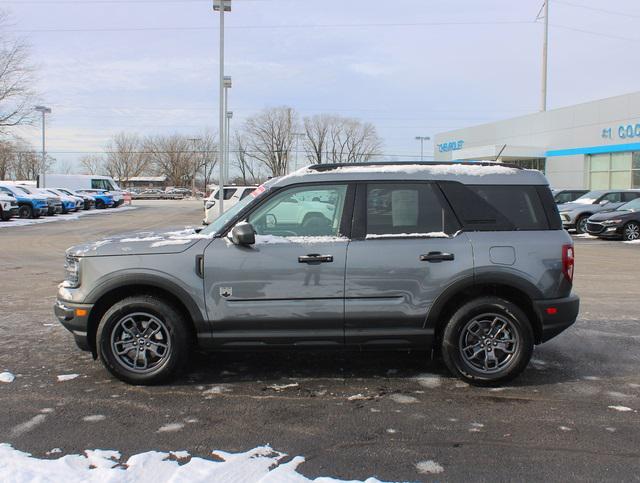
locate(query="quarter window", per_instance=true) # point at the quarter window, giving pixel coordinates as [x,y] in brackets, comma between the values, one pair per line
[406,209]
[303,211]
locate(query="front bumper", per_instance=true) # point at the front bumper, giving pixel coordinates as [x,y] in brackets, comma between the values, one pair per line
[605,231]
[556,315]
[74,320]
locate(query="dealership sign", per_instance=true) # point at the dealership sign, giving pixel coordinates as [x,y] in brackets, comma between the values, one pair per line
[624,131]
[450,146]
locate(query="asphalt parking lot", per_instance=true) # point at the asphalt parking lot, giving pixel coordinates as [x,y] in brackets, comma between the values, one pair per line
[573,414]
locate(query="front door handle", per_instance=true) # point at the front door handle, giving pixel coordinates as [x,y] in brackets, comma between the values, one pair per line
[437,257]
[315,258]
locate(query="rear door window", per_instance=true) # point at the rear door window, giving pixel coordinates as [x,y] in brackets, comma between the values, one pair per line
[407,209]
[630,196]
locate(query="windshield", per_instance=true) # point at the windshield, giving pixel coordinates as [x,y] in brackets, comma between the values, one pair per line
[23,189]
[590,197]
[219,222]
[631,206]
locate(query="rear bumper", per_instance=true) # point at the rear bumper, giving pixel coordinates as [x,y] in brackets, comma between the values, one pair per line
[66,313]
[556,315]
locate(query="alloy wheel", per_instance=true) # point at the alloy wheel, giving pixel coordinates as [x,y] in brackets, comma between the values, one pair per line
[632,232]
[140,342]
[488,343]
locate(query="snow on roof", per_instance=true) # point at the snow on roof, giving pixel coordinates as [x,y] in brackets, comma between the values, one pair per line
[433,169]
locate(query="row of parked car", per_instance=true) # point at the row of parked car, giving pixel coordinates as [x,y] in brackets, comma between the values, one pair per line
[610,214]
[25,201]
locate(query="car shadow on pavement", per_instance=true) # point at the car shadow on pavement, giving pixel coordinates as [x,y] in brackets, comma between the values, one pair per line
[276,366]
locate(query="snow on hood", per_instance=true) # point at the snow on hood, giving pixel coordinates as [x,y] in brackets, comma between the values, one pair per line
[141,243]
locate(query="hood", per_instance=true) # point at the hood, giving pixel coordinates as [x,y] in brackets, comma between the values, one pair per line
[610,215]
[573,206]
[141,243]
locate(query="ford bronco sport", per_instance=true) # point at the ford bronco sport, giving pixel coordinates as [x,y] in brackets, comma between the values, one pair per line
[469,260]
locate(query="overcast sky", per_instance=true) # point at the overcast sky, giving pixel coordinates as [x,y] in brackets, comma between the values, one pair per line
[411,67]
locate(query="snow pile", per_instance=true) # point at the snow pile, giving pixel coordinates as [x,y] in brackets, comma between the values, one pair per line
[68,217]
[429,467]
[433,234]
[272,239]
[67,377]
[6,377]
[633,242]
[623,409]
[431,169]
[261,464]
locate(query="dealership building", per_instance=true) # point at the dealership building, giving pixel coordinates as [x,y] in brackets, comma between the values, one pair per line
[594,145]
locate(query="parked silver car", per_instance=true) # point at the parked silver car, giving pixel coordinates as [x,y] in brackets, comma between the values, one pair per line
[575,215]
[467,259]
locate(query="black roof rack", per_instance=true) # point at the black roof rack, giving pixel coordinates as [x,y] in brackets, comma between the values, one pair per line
[332,166]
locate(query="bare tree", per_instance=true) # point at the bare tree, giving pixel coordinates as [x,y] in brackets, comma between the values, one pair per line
[64,166]
[336,139]
[249,174]
[171,156]
[16,80]
[207,157]
[126,157]
[7,159]
[92,164]
[269,137]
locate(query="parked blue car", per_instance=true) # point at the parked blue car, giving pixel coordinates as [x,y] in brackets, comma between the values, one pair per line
[103,198]
[29,206]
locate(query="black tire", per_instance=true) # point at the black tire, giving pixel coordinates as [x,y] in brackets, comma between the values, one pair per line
[175,334]
[5,216]
[458,333]
[631,231]
[25,211]
[581,224]
[99,204]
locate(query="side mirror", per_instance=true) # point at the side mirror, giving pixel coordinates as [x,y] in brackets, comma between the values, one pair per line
[603,202]
[243,234]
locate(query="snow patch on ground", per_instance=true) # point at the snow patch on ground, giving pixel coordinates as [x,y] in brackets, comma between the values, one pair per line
[215,390]
[403,399]
[622,409]
[282,387]
[7,377]
[94,418]
[26,427]
[67,377]
[633,242]
[171,427]
[429,467]
[260,464]
[429,381]
[16,222]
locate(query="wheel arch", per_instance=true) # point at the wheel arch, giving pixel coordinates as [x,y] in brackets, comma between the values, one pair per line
[511,288]
[117,289]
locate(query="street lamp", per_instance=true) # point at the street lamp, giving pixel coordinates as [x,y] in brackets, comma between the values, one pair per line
[44,110]
[221,6]
[195,142]
[422,139]
[228,131]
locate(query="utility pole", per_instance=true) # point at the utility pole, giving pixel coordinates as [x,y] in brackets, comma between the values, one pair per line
[297,135]
[44,110]
[228,144]
[545,45]
[422,139]
[221,6]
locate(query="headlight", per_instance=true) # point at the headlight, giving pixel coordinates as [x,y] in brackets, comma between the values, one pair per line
[72,272]
[611,222]
[210,204]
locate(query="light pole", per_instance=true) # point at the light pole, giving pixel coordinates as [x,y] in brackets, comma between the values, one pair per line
[422,139]
[44,110]
[545,45]
[221,6]
[195,142]
[297,135]
[228,131]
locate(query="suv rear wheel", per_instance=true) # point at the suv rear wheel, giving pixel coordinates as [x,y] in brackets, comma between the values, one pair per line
[143,340]
[488,341]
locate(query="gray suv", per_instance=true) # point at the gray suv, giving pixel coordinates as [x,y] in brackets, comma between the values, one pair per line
[466,259]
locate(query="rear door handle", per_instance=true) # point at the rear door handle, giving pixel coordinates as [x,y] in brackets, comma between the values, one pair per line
[315,258]
[437,257]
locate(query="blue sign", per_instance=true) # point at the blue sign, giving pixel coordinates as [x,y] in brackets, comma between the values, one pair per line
[450,146]
[624,131]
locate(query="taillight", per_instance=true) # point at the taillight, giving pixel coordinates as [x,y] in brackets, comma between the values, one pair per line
[568,261]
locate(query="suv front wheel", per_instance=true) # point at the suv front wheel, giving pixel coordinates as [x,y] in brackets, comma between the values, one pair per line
[143,340]
[488,341]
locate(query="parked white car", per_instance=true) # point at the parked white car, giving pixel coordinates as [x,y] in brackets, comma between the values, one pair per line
[81,182]
[8,206]
[232,194]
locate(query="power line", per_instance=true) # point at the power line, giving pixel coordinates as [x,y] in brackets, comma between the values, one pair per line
[272,27]
[597,34]
[597,9]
